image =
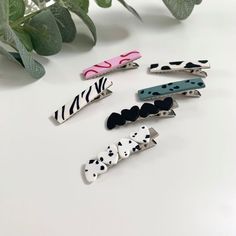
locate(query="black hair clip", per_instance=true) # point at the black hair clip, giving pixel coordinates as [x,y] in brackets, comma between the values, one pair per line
[160,108]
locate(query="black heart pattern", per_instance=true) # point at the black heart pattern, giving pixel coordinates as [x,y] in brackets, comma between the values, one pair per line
[135,112]
[132,114]
[147,109]
[115,119]
[165,105]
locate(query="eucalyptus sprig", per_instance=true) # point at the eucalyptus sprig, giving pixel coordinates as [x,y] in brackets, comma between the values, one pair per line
[33,25]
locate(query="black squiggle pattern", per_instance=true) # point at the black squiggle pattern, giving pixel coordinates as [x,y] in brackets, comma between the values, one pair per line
[132,114]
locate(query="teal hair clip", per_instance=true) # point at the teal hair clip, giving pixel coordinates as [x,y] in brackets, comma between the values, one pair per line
[185,87]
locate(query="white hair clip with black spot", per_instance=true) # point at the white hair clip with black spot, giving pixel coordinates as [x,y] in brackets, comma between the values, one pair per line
[138,141]
[160,108]
[95,92]
[124,61]
[191,67]
[187,88]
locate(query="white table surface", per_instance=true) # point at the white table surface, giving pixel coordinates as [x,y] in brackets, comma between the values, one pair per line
[185,186]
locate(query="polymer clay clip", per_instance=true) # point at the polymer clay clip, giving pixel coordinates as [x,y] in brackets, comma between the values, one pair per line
[123,62]
[185,87]
[193,67]
[160,108]
[138,141]
[95,92]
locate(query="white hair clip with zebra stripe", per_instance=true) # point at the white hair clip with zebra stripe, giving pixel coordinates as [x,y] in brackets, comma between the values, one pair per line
[191,67]
[95,92]
[138,141]
[123,62]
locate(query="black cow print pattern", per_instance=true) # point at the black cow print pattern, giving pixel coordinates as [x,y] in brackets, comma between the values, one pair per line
[132,114]
[179,65]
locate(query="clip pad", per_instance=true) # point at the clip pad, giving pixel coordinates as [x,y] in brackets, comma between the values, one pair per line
[185,87]
[122,62]
[97,91]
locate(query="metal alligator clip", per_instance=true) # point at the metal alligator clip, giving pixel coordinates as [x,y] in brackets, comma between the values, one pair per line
[186,87]
[138,141]
[160,108]
[95,92]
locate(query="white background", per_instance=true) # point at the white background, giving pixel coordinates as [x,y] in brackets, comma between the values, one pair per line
[185,186]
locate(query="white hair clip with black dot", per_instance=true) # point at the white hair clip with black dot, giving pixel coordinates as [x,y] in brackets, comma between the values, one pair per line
[187,88]
[95,92]
[191,67]
[160,108]
[138,141]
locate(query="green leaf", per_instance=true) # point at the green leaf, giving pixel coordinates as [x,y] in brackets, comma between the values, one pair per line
[4,13]
[104,3]
[130,9]
[181,9]
[34,68]
[17,57]
[41,3]
[83,4]
[24,38]
[64,22]
[12,56]
[44,32]
[76,4]
[16,9]
[86,19]
[198,1]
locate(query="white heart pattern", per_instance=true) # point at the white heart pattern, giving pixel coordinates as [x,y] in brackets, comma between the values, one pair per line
[110,156]
[142,136]
[93,168]
[126,147]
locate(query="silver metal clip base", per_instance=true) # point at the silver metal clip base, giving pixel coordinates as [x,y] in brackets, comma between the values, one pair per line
[168,114]
[152,143]
[102,95]
[192,93]
[198,72]
[129,65]
[160,114]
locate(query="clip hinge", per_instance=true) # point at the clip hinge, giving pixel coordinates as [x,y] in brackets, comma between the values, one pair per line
[152,143]
[168,114]
[105,93]
[192,93]
[160,114]
[129,65]
[197,72]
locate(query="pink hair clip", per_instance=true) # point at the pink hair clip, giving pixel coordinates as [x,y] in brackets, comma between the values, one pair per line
[122,62]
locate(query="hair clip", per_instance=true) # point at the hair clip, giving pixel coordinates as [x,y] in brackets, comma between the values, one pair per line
[160,108]
[185,87]
[95,92]
[122,62]
[138,141]
[194,68]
